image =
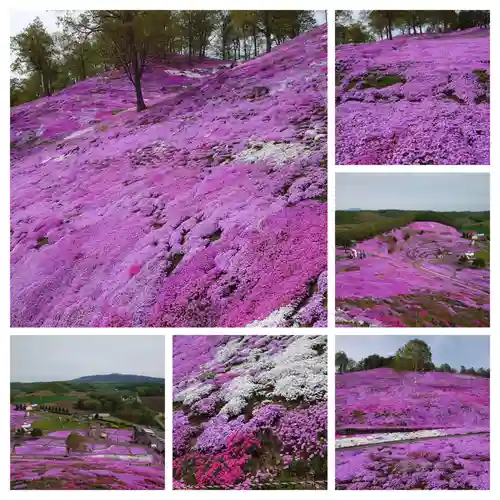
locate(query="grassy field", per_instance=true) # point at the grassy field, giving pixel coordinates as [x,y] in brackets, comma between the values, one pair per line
[43,400]
[156,403]
[49,423]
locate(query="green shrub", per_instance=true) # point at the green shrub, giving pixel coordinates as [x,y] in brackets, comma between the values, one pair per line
[479,262]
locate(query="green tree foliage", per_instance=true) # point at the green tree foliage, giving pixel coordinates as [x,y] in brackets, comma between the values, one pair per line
[35,51]
[416,352]
[75,442]
[341,361]
[95,41]
[363,225]
[383,23]
[131,36]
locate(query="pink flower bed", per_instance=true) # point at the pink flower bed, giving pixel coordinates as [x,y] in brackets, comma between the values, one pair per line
[430,105]
[41,464]
[457,463]
[76,473]
[384,398]
[196,212]
[411,286]
[252,414]
[381,400]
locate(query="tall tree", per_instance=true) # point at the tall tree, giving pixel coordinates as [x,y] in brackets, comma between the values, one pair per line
[35,51]
[132,36]
[341,361]
[385,17]
[417,352]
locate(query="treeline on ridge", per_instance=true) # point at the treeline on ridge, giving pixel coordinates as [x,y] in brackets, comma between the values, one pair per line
[363,225]
[415,355]
[372,25]
[92,42]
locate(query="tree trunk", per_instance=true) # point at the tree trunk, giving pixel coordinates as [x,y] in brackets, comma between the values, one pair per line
[254,35]
[267,32]
[84,73]
[268,42]
[141,105]
[42,83]
[420,28]
[224,43]
[389,29]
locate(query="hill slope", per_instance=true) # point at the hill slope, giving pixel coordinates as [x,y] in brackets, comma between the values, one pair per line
[199,211]
[119,378]
[413,280]
[456,455]
[414,100]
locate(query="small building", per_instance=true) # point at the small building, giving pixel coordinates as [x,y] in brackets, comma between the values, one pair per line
[102,415]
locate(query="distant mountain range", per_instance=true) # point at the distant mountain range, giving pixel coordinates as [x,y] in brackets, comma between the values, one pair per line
[120,378]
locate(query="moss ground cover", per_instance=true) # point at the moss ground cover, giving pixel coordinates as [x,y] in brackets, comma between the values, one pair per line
[250,412]
[455,455]
[414,100]
[200,174]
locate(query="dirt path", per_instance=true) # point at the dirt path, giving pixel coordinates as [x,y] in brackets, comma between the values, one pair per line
[409,440]
[465,284]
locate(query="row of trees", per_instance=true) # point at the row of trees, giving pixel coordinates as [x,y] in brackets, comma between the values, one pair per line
[106,403]
[349,228]
[371,25]
[55,409]
[49,408]
[96,41]
[415,355]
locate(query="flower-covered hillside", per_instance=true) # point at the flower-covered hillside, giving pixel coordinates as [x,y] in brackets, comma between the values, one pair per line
[391,412]
[91,103]
[250,412]
[383,398]
[413,277]
[414,100]
[114,463]
[199,211]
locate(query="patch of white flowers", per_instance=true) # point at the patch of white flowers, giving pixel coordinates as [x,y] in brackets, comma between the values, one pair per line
[276,319]
[236,393]
[297,371]
[193,394]
[275,153]
[228,351]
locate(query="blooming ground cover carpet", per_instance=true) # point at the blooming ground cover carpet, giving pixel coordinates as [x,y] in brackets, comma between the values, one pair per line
[207,209]
[410,285]
[414,430]
[40,463]
[420,100]
[250,412]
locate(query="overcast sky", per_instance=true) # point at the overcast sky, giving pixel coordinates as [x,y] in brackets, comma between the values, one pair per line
[456,350]
[442,192]
[43,358]
[21,19]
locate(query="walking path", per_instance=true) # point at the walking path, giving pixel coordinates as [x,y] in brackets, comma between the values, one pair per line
[360,442]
